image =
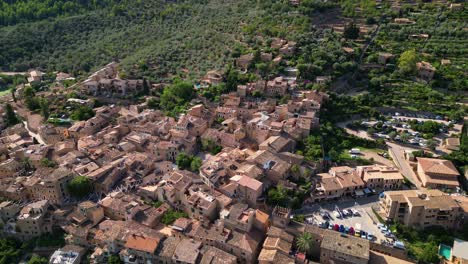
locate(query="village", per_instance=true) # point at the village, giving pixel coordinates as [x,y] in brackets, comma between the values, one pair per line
[253,163]
[197,188]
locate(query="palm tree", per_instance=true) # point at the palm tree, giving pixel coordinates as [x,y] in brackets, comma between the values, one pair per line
[304,242]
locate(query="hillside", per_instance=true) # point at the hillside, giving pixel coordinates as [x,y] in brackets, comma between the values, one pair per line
[151,38]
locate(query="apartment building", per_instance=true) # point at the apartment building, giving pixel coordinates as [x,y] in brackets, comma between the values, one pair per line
[421,208]
[338,182]
[52,186]
[34,220]
[437,173]
[380,177]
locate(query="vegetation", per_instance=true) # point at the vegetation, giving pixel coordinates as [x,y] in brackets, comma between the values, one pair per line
[38,260]
[171,215]
[80,186]
[155,204]
[114,259]
[460,157]
[48,163]
[82,113]
[187,162]
[351,31]
[281,196]
[333,141]
[211,146]
[152,38]
[426,126]
[9,251]
[407,62]
[176,97]
[304,242]
[10,116]
[423,245]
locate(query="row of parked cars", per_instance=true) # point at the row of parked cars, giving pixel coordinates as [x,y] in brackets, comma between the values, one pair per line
[357,232]
[392,240]
[345,213]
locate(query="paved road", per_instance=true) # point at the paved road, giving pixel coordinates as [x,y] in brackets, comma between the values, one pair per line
[357,133]
[34,135]
[397,152]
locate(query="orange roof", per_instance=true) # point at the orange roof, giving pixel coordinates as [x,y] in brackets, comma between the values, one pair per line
[142,243]
[438,166]
[261,216]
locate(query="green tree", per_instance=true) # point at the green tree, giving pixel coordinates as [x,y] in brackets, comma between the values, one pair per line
[407,62]
[431,143]
[232,78]
[278,196]
[9,251]
[48,163]
[195,164]
[26,164]
[263,69]
[38,260]
[304,242]
[44,108]
[351,31]
[10,116]
[13,95]
[114,259]
[174,98]
[146,88]
[183,161]
[171,215]
[80,186]
[82,113]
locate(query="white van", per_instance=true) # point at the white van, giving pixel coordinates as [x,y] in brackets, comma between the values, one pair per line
[355,151]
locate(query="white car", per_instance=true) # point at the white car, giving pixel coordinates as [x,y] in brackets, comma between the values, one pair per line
[355,212]
[337,214]
[347,212]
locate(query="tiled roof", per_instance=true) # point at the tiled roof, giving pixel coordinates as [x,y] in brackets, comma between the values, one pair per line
[142,243]
[438,166]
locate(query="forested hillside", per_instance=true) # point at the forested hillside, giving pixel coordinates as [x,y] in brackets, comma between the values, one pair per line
[16,11]
[151,37]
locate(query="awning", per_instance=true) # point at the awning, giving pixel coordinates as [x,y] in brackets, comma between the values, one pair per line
[367,191]
[359,193]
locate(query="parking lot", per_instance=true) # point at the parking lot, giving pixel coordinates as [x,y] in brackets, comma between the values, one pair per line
[366,218]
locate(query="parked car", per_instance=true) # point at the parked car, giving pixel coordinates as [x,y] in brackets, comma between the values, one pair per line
[399,244]
[355,151]
[342,229]
[370,236]
[384,228]
[337,214]
[364,234]
[355,212]
[345,213]
[325,215]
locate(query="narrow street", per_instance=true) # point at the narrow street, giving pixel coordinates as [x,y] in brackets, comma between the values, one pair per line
[34,135]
